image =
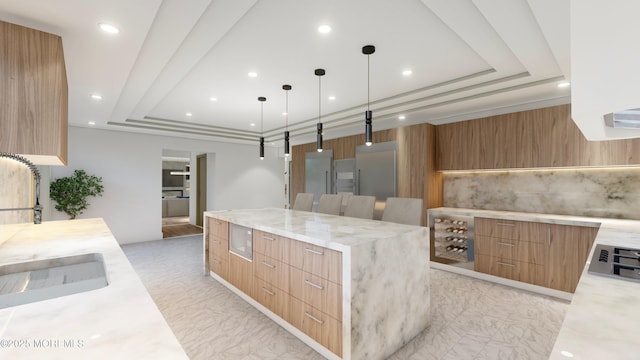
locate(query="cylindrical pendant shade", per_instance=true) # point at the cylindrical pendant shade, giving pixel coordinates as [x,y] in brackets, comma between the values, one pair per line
[286,143]
[261,148]
[319,138]
[368,129]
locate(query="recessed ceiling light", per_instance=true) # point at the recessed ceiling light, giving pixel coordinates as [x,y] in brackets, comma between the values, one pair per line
[407,72]
[564,84]
[332,97]
[213,99]
[252,74]
[189,114]
[108,28]
[401,117]
[323,29]
[91,123]
[284,113]
[252,124]
[96,97]
[566,353]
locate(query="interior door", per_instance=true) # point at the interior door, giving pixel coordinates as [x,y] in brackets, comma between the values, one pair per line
[201,188]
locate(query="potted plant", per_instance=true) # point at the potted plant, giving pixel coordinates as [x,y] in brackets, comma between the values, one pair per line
[70,193]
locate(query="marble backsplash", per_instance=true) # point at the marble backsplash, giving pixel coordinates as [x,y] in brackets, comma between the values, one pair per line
[608,192]
[15,191]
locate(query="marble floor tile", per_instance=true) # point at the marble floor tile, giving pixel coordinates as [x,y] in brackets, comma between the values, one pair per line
[471,319]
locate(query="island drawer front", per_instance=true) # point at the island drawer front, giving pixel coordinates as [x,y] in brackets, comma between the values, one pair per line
[321,327]
[508,249]
[271,271]
[218,245]
[241,273]
[274,246]
[219,266]
[511,229]
[272,298]
[218,228]
[510,269]
[320,293]
[317,260]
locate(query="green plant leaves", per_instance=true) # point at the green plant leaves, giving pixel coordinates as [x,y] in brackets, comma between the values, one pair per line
[70,193]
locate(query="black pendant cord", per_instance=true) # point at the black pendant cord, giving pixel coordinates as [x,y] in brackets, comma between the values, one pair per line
[368,84]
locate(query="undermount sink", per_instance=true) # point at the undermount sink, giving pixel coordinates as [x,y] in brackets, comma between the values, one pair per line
[32,281]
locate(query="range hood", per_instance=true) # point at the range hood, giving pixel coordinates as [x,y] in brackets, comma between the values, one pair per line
[626,119]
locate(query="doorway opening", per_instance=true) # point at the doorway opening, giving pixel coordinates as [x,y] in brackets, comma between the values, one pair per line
[176,195]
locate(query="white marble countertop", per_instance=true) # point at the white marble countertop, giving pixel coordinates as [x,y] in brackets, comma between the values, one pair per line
[330,231]
[604,312]
[119,321]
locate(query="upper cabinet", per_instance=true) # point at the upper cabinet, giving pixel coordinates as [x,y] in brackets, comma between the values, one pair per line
[33,95]
[529,139]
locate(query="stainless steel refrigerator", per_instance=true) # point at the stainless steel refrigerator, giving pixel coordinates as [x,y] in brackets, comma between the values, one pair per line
[376,170]
[318,174]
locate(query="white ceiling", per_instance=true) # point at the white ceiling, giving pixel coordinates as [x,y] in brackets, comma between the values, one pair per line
[469,58]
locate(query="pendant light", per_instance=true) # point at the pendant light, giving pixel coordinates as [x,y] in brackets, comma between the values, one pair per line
[262,99]
[286,88]
[368,129]
[319,73]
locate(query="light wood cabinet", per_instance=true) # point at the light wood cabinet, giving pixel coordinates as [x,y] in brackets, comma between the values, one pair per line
[545,137]
[568,250]
[321,327]
[241,273]
[318,292]
[272,298]
[271,245]
[543,254]
[218,238]
[272,271]
[511,269]
[33,95]
[317,260]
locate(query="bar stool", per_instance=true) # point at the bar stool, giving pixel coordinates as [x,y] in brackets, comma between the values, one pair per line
[360,206]
[304,202]
[330,204]
[406,211]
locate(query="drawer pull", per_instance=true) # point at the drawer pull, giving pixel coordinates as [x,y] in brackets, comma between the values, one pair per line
[313,318]
[504,264]
[267,291]
[506,244]
[268,238]
[314,251]
[505,224]
[268,265]
[314,285]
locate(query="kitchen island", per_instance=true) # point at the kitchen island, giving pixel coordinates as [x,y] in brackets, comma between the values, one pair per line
[119,321]
[365,281]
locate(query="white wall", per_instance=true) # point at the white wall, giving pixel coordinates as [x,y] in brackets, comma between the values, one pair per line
[130,166]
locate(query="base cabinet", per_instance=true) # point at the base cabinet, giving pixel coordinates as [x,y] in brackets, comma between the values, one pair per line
[218,239]
[542,254]
[569,248]
[241,274]
[321,327]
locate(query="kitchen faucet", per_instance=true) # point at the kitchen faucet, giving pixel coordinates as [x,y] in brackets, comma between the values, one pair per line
[37,209]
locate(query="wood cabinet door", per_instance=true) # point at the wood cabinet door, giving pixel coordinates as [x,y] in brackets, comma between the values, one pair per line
[241,274]
[568,249]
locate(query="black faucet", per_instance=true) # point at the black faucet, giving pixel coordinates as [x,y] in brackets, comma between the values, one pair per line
[37,209]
